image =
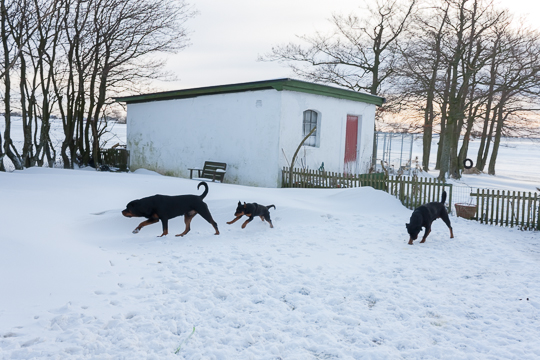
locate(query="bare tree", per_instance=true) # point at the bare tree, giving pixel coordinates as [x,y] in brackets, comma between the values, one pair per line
[449,78]
[422,62]
[42,54]
[125,41]
[72,57]
[518,83]
[13,15]
[106,47]
[358,55]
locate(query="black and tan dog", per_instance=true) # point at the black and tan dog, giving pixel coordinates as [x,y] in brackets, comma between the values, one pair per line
[163,207]
[423,216]
[251,210]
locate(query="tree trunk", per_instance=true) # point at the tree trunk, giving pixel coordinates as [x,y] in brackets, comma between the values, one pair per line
[9,149]
[296,153]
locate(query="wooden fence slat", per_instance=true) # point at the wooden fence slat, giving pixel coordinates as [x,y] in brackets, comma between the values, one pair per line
[528,210]
[535,211]
[523,209]
[513,201]
[501,221]
[483,207]
[492,193]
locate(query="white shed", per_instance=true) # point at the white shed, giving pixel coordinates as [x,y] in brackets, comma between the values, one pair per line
[253,127]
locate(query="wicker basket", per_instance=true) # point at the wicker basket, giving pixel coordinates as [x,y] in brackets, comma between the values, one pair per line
[466,211]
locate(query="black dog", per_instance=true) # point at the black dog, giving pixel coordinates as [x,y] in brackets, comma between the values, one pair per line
[424,215]
[163,207]
[252,210]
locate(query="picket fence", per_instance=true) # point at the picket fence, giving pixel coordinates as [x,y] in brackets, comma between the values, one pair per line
[508,208]
[495,207]
[117,158]
[411,191]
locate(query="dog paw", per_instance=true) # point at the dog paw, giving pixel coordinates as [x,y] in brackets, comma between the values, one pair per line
[136,231]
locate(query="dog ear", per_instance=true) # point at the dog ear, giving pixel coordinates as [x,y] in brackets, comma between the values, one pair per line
[239,203]
[407,226]
[245,205]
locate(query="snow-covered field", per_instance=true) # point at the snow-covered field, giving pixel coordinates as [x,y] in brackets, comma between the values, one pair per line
[335,278]
[517,167]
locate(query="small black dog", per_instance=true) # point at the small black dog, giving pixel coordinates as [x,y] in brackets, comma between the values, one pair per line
[252,210]
[424,215]
[163,207]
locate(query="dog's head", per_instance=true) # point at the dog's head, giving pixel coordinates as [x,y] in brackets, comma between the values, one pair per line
[240,209]
[413,231]
[131,210]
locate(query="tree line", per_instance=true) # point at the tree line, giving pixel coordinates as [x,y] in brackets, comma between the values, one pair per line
[466,67]
[68,58]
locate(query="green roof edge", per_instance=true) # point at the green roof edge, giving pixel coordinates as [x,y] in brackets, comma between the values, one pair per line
[278,84]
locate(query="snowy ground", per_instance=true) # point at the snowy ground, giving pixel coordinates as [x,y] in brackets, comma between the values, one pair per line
[335,278]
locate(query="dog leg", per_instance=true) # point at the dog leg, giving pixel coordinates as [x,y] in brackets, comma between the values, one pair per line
[426,233]
[267,218]
[187,220]
[145,223]
[262,218]
[165,225]
[446,220]
[246,222]
[410,240]
[235,220]
[205,213]
[165,233]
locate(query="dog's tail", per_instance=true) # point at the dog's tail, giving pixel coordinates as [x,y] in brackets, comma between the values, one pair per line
[203,195]
[443,198]
[270,206]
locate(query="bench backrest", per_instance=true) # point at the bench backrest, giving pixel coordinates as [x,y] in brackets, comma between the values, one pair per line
[209,169]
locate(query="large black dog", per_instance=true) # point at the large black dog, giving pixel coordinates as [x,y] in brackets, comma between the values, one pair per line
[163,207]
[251,210]
[424,215]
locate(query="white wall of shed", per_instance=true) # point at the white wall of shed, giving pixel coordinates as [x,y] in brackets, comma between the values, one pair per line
[240,129]
[333,118]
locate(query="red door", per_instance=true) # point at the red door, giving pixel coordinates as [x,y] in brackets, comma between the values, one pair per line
[351,141]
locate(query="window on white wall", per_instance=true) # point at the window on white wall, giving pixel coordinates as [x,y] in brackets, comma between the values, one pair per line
[310,121]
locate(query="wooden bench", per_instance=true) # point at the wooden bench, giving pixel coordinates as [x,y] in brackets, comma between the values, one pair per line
[211,170]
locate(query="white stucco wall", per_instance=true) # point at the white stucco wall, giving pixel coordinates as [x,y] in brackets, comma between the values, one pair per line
[255,132]
[240,129]
[333,118]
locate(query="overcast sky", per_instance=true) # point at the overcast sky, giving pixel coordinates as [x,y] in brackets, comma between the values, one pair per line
[228,36]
